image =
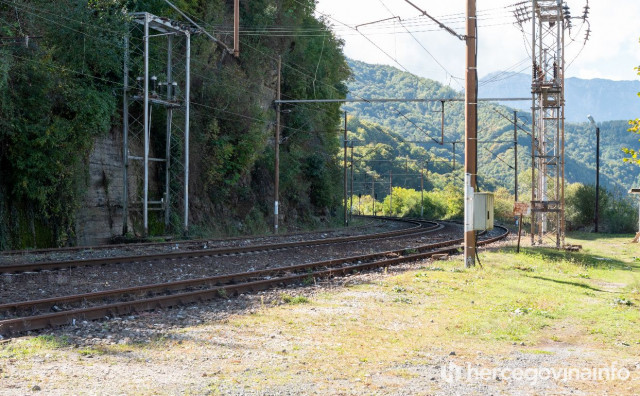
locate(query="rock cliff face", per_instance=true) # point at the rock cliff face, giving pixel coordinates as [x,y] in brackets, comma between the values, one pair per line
[100,217]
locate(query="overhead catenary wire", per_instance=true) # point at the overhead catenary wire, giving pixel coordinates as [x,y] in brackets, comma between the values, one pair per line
[210,107]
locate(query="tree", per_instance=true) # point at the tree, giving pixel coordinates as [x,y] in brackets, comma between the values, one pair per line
[635,128]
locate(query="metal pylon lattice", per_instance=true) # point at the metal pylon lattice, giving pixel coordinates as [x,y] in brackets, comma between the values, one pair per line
[156,124]
[549,21]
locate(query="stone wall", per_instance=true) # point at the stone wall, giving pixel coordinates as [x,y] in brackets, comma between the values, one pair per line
[100,217]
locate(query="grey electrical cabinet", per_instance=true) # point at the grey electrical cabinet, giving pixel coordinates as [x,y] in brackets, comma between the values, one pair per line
[483,211]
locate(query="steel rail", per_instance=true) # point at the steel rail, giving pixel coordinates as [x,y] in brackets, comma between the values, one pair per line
[53,265]
[67,249]
[21,324]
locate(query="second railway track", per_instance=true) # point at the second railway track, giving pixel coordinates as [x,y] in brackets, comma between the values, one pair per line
[41,313]
[416,228]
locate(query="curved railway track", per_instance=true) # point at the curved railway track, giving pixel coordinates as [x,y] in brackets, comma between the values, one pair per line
[180,243]
[21,316]
[418,227]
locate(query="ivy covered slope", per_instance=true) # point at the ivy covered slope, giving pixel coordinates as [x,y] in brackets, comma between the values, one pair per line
[64,89]
[421,122]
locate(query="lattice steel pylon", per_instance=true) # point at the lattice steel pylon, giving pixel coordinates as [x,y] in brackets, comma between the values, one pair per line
[156,146]
[550,19]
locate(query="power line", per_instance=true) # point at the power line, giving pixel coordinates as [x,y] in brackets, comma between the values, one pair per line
[421,45]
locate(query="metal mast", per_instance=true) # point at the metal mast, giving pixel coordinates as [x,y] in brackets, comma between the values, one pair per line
[158,87]
[549,21]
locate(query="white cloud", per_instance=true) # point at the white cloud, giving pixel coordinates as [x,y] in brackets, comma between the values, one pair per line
[611,52]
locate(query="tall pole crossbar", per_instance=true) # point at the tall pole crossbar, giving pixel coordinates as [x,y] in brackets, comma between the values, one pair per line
[547,142]
[152,88]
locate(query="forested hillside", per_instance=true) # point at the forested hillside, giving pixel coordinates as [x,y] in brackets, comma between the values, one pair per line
[420,124]
[61,88]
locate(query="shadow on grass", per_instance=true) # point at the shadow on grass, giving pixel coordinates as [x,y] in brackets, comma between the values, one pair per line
[550,255]
[592,236]
[576,284]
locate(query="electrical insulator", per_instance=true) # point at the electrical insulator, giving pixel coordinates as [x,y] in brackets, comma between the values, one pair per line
[154,82]
[174,90]
[139,85]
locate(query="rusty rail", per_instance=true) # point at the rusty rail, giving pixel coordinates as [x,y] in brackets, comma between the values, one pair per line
[183,242]
[53,265]
[217,286]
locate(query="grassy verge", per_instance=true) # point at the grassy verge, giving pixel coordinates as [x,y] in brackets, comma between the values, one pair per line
[538,302]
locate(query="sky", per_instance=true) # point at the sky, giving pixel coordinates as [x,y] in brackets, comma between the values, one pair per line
[612,51]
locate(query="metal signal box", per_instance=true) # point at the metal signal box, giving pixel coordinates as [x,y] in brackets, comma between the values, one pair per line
[483,211]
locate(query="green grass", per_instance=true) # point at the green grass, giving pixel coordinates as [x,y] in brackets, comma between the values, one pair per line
[287,299]
[540,297]
[29,346]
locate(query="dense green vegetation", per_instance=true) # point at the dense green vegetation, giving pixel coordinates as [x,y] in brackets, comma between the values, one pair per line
[402,140]
[63,89]
[632,153]
[421,122]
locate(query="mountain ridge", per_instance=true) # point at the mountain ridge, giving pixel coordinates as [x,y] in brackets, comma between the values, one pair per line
[605,100]
[419,123]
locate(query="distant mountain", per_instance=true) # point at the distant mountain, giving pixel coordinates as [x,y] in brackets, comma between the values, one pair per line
[606,100]
[418,127]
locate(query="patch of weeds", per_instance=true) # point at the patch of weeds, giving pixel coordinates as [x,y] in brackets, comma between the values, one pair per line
[32,346]
[432,269]
[622,301]
[49,341]
[222,293]
[538,352]
[159,339]
[403,300]
[399,289]
[522,268]
[522,311]
[406,252]
[91,352]
[584,276]
[309,280]
[287,299]
[545,314]
[457,270]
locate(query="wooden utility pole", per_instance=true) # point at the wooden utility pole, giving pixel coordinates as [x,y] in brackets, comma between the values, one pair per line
[422,192]
[277,151]
[351,188]
[373,194]
[236,28]
[470,134]
[390,193]
[454,157]
[442,123]
[344,200]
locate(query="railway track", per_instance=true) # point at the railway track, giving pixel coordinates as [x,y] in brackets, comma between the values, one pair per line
[179,243]
[418,227]
[37,314]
